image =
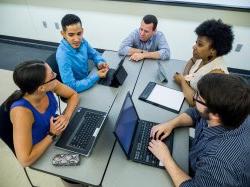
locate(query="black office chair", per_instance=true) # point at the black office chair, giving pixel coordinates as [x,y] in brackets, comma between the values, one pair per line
[6,130]
[51,60]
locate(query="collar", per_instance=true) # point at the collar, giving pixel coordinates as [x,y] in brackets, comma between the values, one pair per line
[69,47]
[214,131]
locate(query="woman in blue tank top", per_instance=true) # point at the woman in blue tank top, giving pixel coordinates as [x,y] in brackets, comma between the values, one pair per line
[33,110]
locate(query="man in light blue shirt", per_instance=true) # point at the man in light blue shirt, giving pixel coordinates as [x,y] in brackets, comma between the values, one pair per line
[146,42]
[73,54]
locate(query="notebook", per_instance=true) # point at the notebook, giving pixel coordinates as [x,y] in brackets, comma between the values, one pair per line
[133,135]
[115,77]
[82,131]
[163,97]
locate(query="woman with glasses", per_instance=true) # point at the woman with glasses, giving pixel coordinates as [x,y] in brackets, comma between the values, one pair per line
[33,110]
[213,42]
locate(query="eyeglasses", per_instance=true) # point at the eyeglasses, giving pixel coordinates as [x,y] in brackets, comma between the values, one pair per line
[195,98]
[54,74]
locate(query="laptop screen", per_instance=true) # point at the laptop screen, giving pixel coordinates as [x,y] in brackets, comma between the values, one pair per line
[126,124]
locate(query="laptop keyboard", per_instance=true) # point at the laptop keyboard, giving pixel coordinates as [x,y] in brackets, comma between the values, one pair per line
[88,125]
[142,153]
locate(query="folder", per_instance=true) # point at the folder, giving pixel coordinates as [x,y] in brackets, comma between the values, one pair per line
[162,96]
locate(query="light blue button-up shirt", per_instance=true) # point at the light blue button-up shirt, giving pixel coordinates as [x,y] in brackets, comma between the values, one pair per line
[73,65]
[157,42]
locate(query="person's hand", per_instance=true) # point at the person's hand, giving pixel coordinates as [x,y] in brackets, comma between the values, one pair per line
[179,78]
[136,57]
[161,131]
[102,72]
[160,150]
[58,124]
[103,66]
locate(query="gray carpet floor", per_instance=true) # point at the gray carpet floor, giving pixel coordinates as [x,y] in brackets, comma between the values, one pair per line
[13,54]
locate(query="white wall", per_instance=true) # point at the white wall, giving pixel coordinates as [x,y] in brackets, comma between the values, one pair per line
[107,22]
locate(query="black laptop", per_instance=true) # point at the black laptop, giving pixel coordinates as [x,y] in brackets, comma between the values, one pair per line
[82,131]
[115,77]
[133,135]
[245,74]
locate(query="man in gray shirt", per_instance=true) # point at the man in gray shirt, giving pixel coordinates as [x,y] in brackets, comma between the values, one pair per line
[146,42]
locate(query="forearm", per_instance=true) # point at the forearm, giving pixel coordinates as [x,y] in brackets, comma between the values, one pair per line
[131,51]
[188,92]
[177,175]
[182,120]
[71,105]
[151,55]
[36,151]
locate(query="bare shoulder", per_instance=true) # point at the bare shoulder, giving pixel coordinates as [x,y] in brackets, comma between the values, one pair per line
[21,115]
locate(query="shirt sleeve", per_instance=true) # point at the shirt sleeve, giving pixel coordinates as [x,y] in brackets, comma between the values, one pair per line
[94,55]
[213,172]
[68,78]
[163,48]
[126,44]
[194,114]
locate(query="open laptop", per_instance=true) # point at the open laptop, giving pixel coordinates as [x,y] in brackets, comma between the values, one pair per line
[240,72]
[115,77]
[133,135]
[82,131]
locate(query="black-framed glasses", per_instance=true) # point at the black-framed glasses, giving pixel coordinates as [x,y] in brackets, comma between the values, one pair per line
[195,98]
[55,75]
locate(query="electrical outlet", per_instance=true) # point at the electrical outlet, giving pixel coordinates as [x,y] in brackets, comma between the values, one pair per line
[57,26]
[238,47]
[45,24]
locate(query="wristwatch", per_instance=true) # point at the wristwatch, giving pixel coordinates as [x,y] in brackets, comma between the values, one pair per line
[53,136]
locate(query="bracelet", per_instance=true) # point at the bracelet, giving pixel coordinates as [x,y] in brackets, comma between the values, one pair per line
[52,135]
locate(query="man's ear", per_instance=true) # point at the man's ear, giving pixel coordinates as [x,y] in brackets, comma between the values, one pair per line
[155,30]
[63,33]
[214,117]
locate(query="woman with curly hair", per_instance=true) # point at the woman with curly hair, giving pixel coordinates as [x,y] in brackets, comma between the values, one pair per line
[214,40]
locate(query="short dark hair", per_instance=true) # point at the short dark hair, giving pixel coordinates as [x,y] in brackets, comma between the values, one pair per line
[70,19]
[219,33]
[150,19]
[226,95]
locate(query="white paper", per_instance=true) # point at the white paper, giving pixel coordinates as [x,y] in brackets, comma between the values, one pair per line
[167,97]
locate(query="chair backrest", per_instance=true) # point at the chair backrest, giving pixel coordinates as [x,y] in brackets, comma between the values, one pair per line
[51,60]
[9,166]
[6,128]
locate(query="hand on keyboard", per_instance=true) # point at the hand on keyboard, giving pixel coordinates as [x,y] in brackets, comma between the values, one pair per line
[159,150]
[161,131]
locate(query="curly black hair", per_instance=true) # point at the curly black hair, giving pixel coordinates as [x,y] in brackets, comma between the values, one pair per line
[219,33]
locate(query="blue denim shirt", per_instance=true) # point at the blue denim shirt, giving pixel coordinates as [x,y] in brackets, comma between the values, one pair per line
[219,156]
[157,42]
[73,65]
